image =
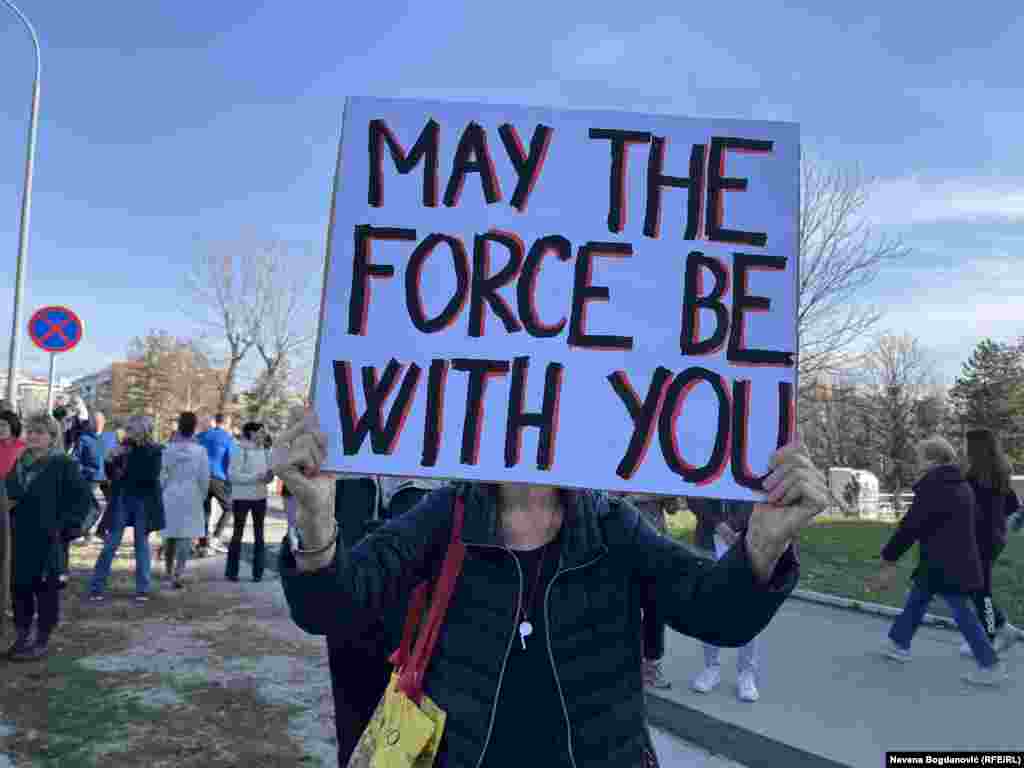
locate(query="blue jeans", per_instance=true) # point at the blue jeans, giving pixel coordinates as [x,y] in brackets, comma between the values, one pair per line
[125,507]
[906,624]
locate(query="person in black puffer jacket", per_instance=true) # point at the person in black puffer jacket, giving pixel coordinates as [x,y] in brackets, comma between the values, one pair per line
[539,658]
[941,521]
[989,476]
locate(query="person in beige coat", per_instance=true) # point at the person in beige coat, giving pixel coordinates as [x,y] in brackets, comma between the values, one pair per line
[185,483]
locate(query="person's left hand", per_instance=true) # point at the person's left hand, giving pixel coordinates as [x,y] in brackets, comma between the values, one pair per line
[797,492]
[883,579]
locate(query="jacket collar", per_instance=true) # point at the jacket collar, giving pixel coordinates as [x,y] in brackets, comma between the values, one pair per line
[582,536]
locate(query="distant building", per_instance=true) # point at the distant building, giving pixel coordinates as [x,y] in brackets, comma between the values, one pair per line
[106,390]
[32,392]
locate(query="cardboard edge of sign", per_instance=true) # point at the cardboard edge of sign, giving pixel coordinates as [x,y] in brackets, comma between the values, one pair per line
[59,308]
[328,253]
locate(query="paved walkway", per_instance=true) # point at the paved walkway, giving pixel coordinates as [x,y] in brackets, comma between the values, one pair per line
[828,696]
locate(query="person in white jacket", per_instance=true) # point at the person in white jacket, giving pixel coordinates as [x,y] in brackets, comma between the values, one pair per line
[185,481]
[249,473]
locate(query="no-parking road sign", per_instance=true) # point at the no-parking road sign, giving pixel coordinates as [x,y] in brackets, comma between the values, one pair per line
[55,329]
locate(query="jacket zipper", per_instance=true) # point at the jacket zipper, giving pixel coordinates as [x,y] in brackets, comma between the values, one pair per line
[551,655]
[508,650]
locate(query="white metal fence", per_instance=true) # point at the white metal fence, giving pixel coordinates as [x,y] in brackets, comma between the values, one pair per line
[887,508]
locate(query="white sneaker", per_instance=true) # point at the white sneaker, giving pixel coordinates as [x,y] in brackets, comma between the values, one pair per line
[747,687]
[892,651]
[654,677]
[990,676]
[965,649]
[707,680]
[1006,636]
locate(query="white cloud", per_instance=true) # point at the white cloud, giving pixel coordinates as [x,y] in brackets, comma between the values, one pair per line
[916,200]
[951,308]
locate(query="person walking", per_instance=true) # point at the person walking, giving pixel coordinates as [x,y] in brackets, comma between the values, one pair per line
[989,476]
[653,508]
[185,482]
[539,657]
[139,504]
[48,501]
[249,473]
[91,453]
[217,441]
[719,523]
[941,520]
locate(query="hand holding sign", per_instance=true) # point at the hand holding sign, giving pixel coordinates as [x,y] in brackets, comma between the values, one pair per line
[296,459]
[797,492]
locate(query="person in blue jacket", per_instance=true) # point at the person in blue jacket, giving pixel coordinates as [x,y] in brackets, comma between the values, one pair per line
[217,441]
[91,452]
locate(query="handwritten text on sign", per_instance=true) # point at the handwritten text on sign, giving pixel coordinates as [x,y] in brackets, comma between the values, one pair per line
[585,299]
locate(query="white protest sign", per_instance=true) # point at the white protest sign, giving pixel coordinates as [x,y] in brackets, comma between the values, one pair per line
[584,299]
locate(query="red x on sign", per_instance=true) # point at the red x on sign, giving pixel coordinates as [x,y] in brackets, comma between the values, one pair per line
[55,329]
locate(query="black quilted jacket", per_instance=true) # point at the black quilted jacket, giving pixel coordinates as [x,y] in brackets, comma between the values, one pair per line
[608,561]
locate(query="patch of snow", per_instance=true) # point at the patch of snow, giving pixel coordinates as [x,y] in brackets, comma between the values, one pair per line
[6,731]
[295,682]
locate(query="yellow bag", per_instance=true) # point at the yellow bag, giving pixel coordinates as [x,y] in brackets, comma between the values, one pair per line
[400,734]
[406,728]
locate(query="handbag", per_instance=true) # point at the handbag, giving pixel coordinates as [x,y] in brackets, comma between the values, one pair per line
[406,728]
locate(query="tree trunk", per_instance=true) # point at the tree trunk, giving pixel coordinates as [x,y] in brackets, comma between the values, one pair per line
[229,383]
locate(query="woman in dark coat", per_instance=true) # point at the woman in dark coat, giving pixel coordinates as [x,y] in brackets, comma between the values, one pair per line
[49,502]
[941,521]
[538,660]
[138,503]
[989,476]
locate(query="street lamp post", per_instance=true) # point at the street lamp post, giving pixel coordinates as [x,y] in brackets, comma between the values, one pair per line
[14,361]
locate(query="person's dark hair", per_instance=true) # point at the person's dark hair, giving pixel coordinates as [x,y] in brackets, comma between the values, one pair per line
[250,428]
[187,424]
[218,419]
[60,413]
[987,464]
[12,421]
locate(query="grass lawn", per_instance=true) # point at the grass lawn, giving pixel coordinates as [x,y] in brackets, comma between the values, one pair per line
[837,555]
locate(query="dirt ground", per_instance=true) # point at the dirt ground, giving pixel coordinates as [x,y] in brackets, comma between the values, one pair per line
[214,675]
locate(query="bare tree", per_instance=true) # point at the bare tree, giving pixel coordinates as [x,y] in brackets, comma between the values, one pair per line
[224,284]
[840,255]
[899,375]
[835,423]
[282,321]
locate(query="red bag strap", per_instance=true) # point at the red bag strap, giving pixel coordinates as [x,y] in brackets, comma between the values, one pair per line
[415,667]
[417,602]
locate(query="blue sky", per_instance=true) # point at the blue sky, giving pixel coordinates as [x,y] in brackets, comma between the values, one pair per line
[170,127]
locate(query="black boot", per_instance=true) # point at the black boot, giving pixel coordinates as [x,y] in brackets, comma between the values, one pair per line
[37,650]
[22,641]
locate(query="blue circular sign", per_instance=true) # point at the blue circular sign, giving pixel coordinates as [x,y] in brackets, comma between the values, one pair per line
[55,329]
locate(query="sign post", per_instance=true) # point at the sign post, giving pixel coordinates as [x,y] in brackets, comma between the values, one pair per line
[54,329]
